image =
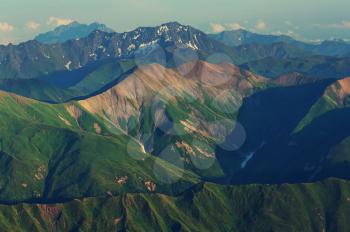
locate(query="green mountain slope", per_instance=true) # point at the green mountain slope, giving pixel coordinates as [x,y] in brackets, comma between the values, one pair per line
[118,134]
[140,147]
[321,206]
[59,151]
[336,96]
[194,122]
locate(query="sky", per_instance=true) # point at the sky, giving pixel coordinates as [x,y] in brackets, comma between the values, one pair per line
[21,20]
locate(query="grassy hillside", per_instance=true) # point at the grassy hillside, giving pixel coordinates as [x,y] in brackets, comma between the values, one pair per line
[134,156]
[336,96]
[100,141]
[60,151]
[321,206]
[190,123]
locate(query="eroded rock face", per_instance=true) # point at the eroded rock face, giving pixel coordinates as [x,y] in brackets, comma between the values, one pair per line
[339,91]
[74,111]
[145,86]
[121,180]
[150,185]
[50,212]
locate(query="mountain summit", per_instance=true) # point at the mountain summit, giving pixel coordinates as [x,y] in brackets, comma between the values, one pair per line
[71,31]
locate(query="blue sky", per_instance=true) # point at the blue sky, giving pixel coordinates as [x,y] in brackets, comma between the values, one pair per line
[21,20]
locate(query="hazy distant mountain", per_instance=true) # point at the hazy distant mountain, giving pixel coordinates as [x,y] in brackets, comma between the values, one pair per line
[316,66]
[71,31]
[333,48]
[243,37]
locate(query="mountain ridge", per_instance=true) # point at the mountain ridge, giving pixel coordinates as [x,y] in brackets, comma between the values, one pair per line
[71,31]
[144,44]
[157,128]
[309,207]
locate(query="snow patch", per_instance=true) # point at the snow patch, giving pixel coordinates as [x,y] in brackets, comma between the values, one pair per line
[131,47]
[136,36]
[167,39]
[68,65]
[162,29]
[192,45]
[102,48]
[179,29]
[118,52]
[148,44]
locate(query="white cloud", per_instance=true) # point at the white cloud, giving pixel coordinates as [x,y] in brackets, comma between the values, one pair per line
[260,25]
[216,27]
[341,25]
[54,21]
[290,33]
[6,27]
[32,25]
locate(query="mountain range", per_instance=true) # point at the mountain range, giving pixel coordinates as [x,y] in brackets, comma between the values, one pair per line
[157,128]
[71,31]
[234,38]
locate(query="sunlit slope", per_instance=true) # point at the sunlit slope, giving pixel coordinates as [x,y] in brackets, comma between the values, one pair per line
[192,108]
[336,96]
[108,139]
[60,151]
